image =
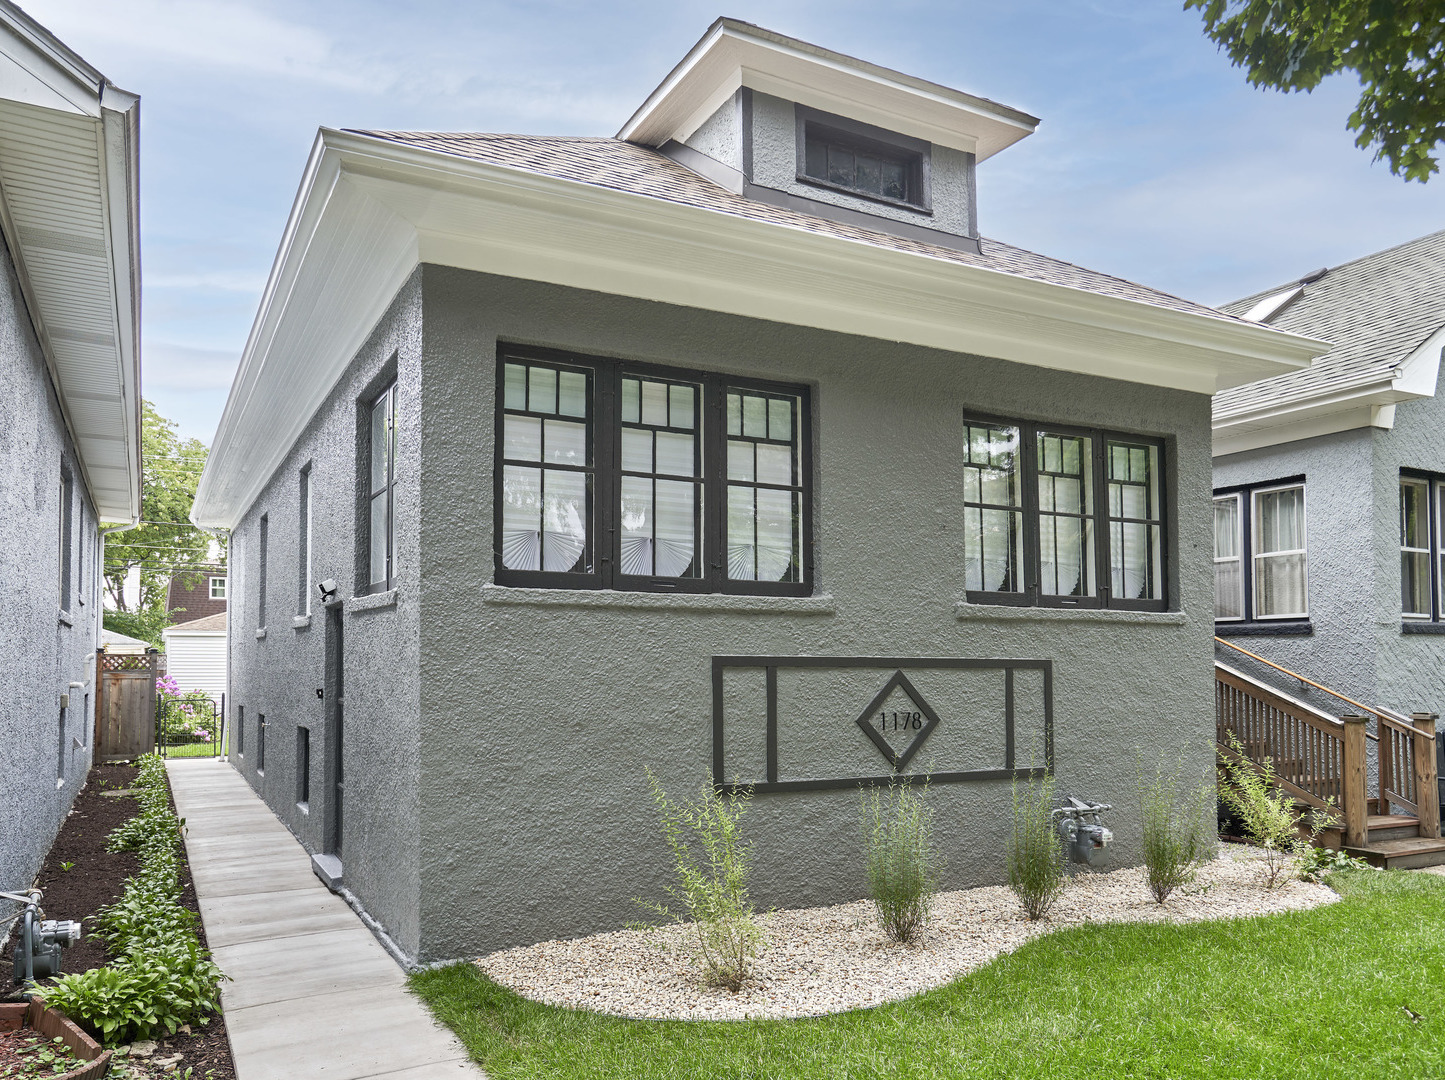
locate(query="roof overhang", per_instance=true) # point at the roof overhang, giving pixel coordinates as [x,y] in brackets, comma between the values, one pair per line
[69,208]
[369,210]
[1364,403]
[734,54]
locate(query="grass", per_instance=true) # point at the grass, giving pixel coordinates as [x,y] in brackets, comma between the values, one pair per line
[1321,994]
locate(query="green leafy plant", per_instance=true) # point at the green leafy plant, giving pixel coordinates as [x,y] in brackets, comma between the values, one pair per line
[711,862]
[1175,817]
[67,866]
[1035,854]
[1270,815]
[1318,863]
[903,862]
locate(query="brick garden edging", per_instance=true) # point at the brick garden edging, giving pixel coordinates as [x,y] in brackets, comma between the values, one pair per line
[50,1023]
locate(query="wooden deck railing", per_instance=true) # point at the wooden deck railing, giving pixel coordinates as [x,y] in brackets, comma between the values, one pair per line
[1322,759]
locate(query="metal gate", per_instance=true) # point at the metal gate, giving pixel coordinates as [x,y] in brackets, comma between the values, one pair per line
[190,725]
[125,705]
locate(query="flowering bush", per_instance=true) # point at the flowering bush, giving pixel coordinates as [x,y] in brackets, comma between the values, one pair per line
[184,717]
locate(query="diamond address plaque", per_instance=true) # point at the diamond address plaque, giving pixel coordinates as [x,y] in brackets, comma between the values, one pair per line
[898,720]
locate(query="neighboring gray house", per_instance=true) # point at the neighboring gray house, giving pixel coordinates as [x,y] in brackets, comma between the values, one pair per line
[70,421]
[726,444]
[1330,486]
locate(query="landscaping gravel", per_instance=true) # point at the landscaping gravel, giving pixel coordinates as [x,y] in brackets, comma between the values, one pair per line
[832,959]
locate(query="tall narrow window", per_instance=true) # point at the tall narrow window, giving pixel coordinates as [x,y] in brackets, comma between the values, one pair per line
[1280,587]
[1228,558]
[262,529]
[241,730]
[661,479]
[63,534]
[303,767]
[1136,564]
[548,481]
[303,544]
[765,490]
[993,510]
[1415,591]
[381,492]
[1066,508]
[260,742]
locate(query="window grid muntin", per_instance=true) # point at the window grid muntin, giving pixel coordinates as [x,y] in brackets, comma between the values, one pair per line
[675,410]
[1152,522]
[980,456]
[1087,584]
[381,491]
[1033,595]
[607,375]
[218,588]
[1257,556]
[744,433]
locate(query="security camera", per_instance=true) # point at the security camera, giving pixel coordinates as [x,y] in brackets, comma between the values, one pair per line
[328,588]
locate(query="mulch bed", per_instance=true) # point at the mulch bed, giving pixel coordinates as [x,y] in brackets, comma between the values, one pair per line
[96,879]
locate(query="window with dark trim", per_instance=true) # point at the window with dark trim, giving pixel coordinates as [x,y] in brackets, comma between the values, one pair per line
[303,543]
[615,475]
[240,731]
[1260,553]
[262,542]
[64,530]
[260,742]
[1037,531]
[303,767]
[380,517]
[1422,572]
[843,154]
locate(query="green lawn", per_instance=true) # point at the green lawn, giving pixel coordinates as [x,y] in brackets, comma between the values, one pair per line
[1319,994]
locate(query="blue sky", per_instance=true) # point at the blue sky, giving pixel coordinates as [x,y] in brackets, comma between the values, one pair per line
[1154,160]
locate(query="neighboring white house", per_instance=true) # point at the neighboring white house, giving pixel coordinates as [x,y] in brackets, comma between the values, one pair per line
[196,654]
[114,642]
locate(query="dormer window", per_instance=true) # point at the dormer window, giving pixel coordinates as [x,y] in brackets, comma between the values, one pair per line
[842,154]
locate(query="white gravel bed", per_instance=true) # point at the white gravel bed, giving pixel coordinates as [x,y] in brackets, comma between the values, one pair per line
[832,959]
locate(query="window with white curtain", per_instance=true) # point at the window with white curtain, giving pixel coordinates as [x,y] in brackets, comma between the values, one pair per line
[1422,547]
[1260,557]
[1059,517]
[629,476]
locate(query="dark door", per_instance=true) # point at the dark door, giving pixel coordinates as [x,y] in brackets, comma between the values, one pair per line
[335,724]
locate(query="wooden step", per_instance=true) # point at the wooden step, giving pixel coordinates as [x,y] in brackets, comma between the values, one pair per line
[1381,827]
[1401,854]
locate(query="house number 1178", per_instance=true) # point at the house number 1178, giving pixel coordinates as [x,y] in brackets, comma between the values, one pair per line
[900,721]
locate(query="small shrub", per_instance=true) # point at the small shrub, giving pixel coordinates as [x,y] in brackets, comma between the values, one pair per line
[1036,854]
[1318,863]
[1176,829]
[1269,814]
[903,861]
[711,862]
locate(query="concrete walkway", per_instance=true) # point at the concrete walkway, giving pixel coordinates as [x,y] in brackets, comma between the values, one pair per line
[315,994]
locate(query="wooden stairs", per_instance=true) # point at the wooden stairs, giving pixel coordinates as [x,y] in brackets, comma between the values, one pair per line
[1324,761]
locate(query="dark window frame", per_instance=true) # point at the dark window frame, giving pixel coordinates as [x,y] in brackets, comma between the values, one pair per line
[1249,619]
[303,540]
[65,527]
[365,586]
[303,767]
[604,434]
[263,542]
[916,155]
[1434,502]
[1100,438]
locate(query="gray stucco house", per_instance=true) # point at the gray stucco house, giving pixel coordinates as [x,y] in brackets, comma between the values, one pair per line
[1328,485]
[70,422]
[724,446]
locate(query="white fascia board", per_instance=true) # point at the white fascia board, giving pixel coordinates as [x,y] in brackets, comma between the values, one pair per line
[1419,372]
[733,54]
[1359,416]
[120,134]
[447,210]
[38,68]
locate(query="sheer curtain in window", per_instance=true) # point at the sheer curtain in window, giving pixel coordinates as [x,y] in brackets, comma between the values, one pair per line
[1228,560]
[1279,553]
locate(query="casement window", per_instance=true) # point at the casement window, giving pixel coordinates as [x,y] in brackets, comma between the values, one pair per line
[1059,517]
[218,588]
[64,526]
[1422,572]
[303,543]
[380,515]
[630,476]
[1260,557]
[838,153]
[262,543]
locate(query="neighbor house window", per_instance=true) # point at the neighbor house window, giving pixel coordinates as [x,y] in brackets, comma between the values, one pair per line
[218,588]
[615,475]
[1260,557]
[381,492]
[862,160]
[1037,530]
[1422,527]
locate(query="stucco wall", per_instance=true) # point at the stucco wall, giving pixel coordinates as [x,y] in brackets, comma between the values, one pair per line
[41,650]
[775,165]
[278,676]
[538,720]
[720,136]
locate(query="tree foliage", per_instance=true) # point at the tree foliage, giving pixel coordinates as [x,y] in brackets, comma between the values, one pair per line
[165,541]
[1397,47]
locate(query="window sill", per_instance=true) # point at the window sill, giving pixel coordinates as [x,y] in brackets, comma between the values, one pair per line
[1422,627]
[1292,628]
[372,601]
[965,611]
[64,618]
[261,634]
[300,622]
[611,598]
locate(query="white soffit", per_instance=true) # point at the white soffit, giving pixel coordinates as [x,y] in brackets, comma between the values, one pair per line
[734,54]
[371,209]
[69,207]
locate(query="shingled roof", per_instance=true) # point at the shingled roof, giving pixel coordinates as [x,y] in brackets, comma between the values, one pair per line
[641,170]
[1377,311]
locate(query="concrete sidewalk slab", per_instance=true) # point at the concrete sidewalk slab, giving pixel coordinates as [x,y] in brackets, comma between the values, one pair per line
[313,993]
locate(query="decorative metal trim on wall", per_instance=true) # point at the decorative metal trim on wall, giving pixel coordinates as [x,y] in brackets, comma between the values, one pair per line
[927,720]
